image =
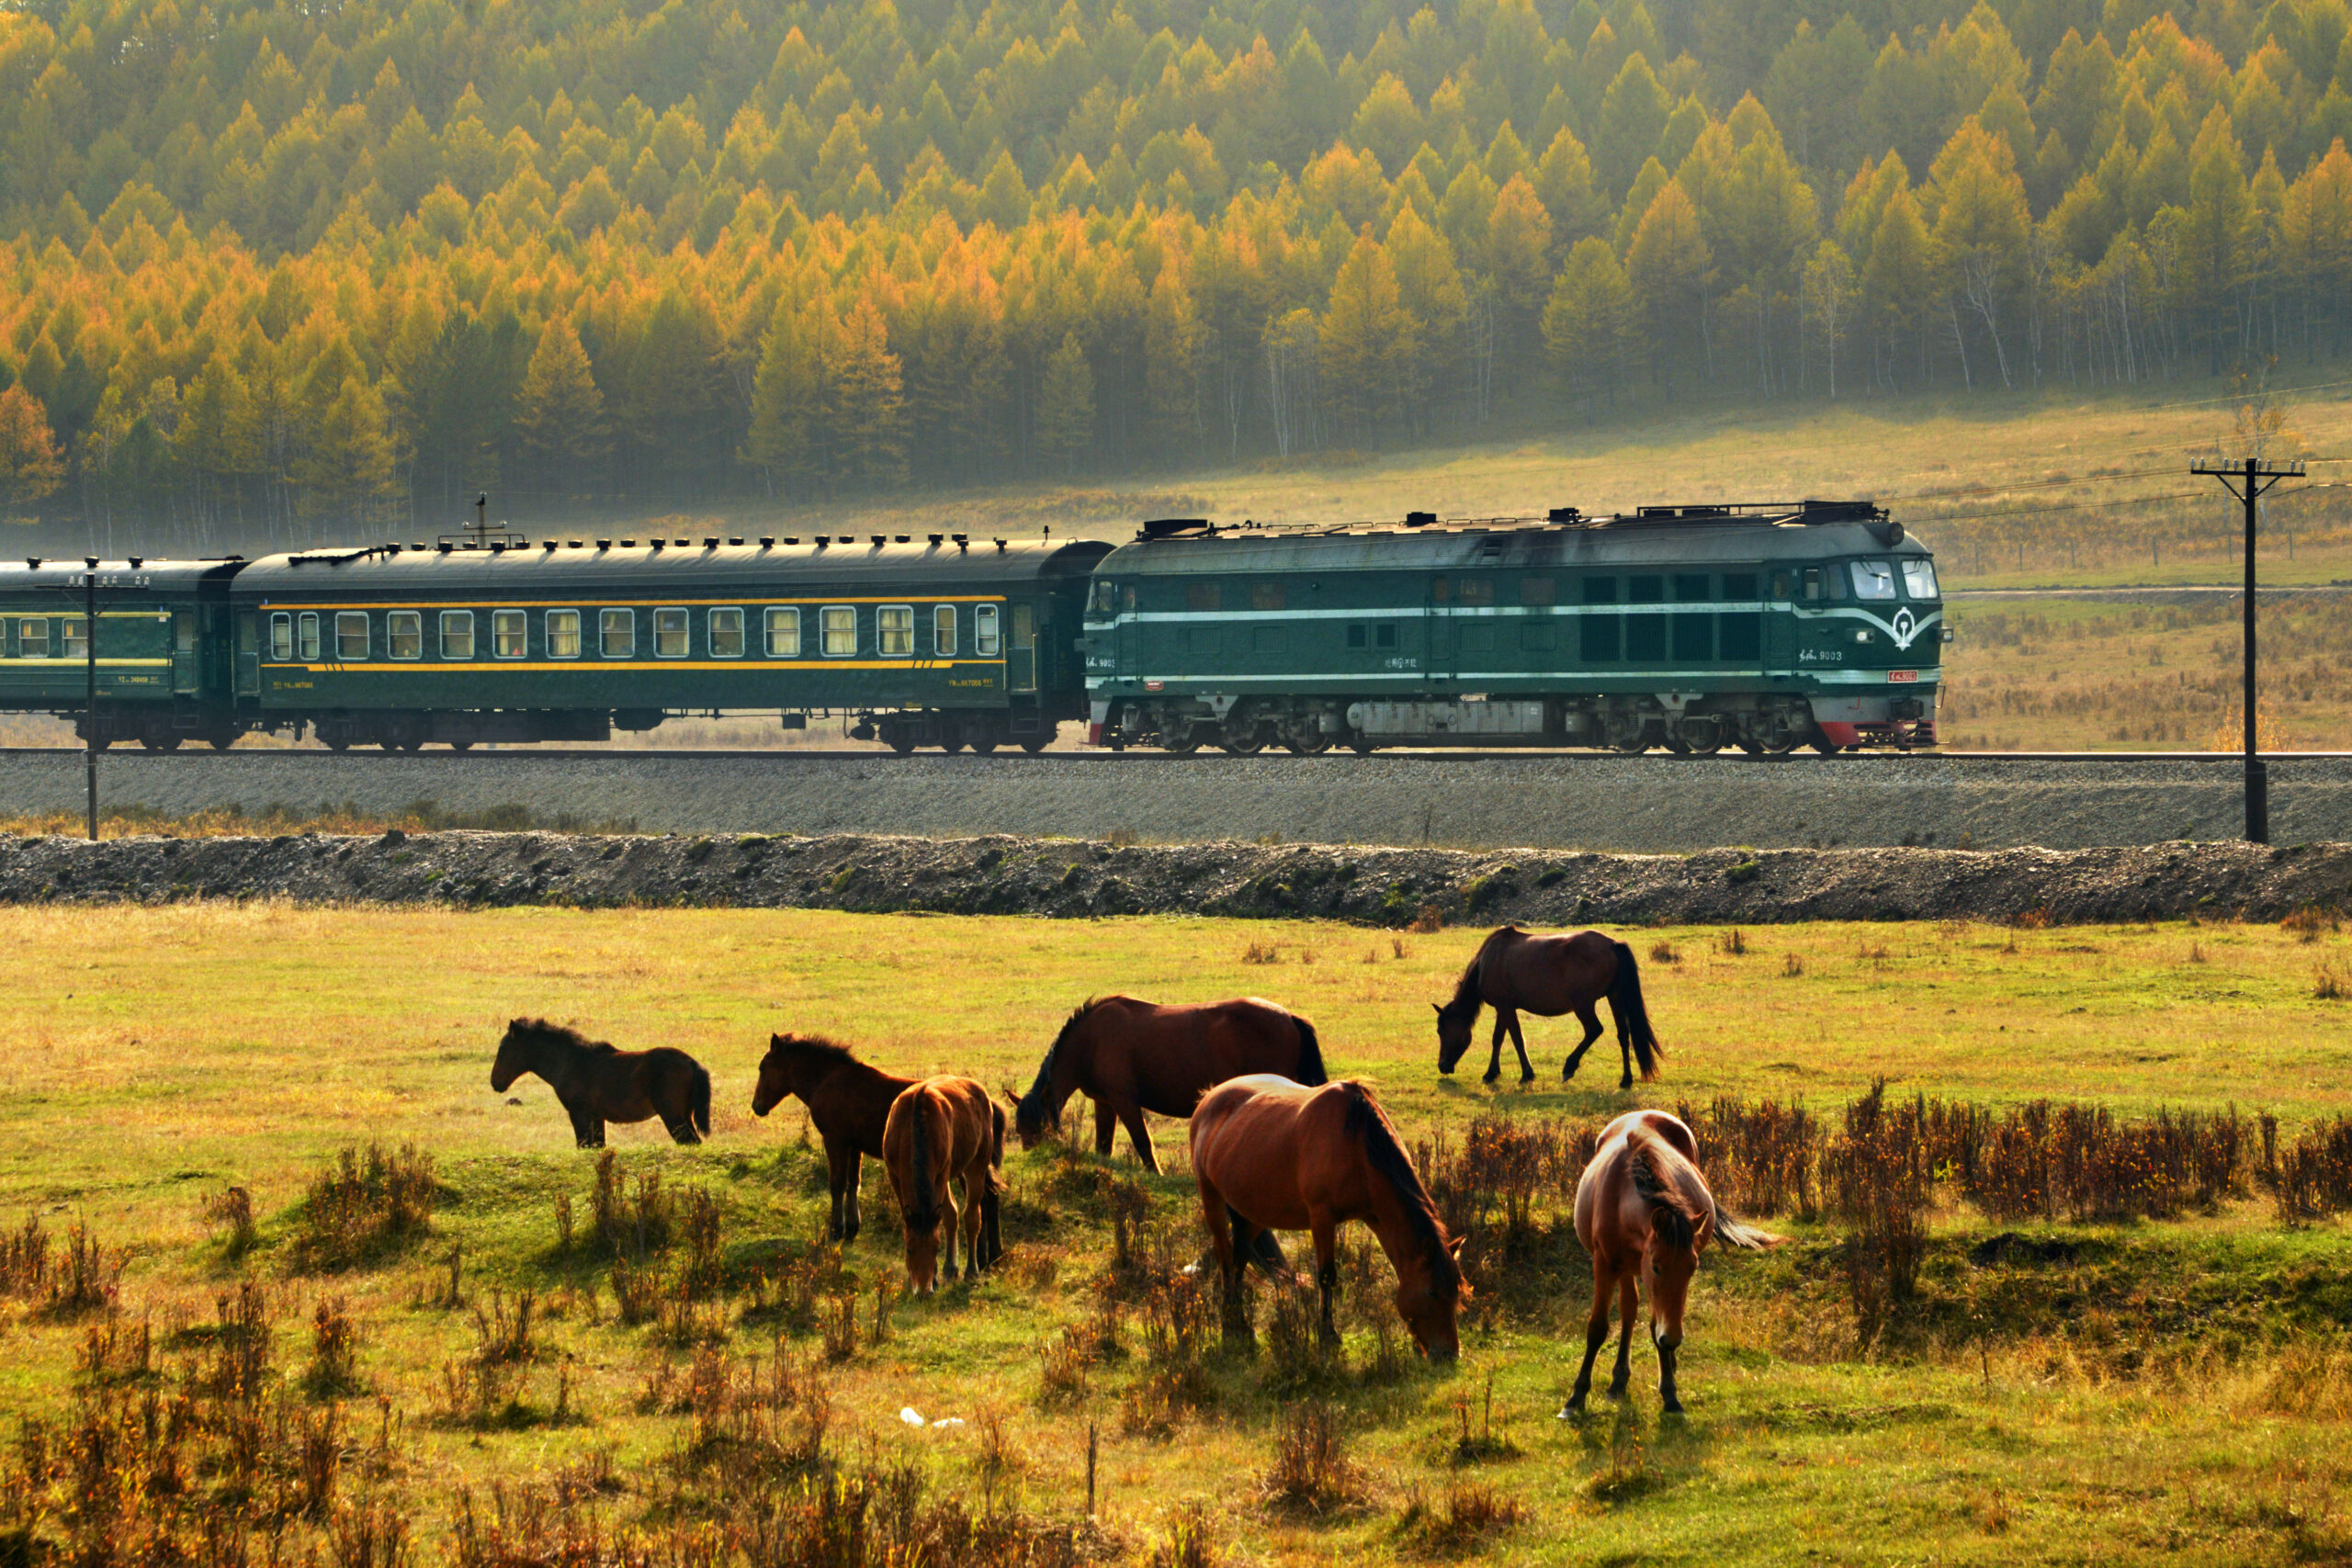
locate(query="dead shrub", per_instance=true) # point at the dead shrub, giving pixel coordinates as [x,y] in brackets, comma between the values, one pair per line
[364,1205]
[334,1348]
[2312,922]
[1261,953]
[1188,1539]
[2314,1174]
[1469,1515]
[1311,1472]
[1662,952]
[231,1213]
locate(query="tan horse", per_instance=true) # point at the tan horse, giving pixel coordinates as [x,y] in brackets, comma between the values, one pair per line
[849,1101]
[1269,1154]
[1644,1212]
[1131,1056]
[942,1130]
[1548,975]
[597,1084]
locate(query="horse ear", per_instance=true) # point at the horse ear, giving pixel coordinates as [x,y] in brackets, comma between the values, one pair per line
[1454,1247]
[1437,1009]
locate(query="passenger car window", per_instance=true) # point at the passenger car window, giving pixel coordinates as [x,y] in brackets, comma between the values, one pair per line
[563,634]
[727,634]
[282,636]
[783,634]
[839,623]
[670,637]
[1919,576]
[986,642]
[894,630]
[942,631]
[1873,580]
[306,635]
[510,635]
[33,637]
[617,633]
[456,634]
[404,634]
[74,632]
[350,635]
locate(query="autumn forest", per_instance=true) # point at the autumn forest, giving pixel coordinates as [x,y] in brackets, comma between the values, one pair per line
[275,272]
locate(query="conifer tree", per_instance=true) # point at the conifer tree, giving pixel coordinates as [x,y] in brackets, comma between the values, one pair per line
[560,413]
[1065,406]
[29,464]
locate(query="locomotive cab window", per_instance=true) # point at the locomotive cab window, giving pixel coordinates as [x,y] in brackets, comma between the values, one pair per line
[350,635]
[1537,591]
[986,641]
[894,631]
[404,634]
[617,633]
[1873,580]
[783,633]
[1813,582]
[510,633]
[563,634]
[1106,597]
[670,635]
[1269,596]
[1477,590]
[1200,596]
[840,624]
[1919,576]
[33,637]
[305,637]
[456,634]
[942,631]
[726,634]
[282,636]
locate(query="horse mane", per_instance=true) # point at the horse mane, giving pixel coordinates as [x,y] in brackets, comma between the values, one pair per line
[541,1031]
[814,1046]
[1466,1001]
[1032,1108]
[1655,1168]
[1365,1120]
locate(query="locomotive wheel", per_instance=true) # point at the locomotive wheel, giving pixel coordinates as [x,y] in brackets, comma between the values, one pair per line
[1250,747]
[1679,747]
[339,743]
[1362,748]
[414,744]
[951,745]
[1314,748]
[1036,744]
[461,745]
[1185,744]
[984,745]
[389,745]
[1827,747]
[159,742]
[1779,748]
[222,742]
[903,745]
[1628,748]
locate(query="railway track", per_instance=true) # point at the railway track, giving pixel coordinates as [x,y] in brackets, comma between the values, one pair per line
[287,756]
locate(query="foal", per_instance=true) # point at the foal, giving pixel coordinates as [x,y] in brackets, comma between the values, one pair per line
[849,1101]
[597,1084]
[1644,1211]
[941,1130]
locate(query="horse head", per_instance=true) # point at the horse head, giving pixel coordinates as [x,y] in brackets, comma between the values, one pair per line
[1454,1028]
[1678,1231]
[775,1080]
[515,1054]
[1429,1299]
[1039,1113]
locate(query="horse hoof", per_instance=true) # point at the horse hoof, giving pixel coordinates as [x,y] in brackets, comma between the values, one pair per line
[1492,1077]
[1671,1407]
[1527,1077]
[1572,1409]
[1624,1084]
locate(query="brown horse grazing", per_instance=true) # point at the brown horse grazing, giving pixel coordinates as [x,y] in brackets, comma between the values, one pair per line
[940,1129]
[1548,975]
[1269,1154]
[849,1101]
[598,1084]
[1643,1210]
[1131,1056]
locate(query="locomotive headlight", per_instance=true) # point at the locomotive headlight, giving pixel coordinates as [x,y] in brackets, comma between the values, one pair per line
[1862,636]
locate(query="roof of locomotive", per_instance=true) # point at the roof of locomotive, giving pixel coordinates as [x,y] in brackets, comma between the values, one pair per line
[797,565]
[63,574]
[1662,536]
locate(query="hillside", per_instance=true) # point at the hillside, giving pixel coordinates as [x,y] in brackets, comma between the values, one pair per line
[278,272]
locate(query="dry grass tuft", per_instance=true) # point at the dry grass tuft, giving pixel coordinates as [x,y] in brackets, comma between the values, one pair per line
[1312,1473]
[1465,1519]
[363,1206]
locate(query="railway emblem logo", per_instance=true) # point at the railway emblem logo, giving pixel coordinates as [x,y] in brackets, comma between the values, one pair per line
[1904,628]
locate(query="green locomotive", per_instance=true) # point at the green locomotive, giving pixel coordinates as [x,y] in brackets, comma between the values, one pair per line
[939,640]
[1693,627]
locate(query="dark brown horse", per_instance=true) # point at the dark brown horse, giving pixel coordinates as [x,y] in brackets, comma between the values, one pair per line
[1269,1154]
[849,1101]
[1548,975]
[598,1084]
[941,1130]
[1644,1213]
[1131,1056]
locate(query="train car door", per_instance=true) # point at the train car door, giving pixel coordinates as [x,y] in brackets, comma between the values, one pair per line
[1781,622]
[1021,653]
[248,654]
[1437,638]
[187,668]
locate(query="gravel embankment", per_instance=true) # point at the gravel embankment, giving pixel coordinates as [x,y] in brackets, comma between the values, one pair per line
[1648,804]
[1064,878]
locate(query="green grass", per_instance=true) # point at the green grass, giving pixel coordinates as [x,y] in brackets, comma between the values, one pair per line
[2163,1390]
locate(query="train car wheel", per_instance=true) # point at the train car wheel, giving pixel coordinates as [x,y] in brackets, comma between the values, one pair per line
[1185,745]
[1362,748]
[222,742]
[416,744]
[159,742]
[1038,744]
[1248,747]
[461,745]
[389,745]
[1827,748]
[985,744]
[1779,747]
[1679,747]
[338,743]
[1314,748]
[951,745]
[903,745]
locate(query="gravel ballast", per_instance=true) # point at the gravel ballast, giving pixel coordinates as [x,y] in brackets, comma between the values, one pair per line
[1648,804]
[1065,878]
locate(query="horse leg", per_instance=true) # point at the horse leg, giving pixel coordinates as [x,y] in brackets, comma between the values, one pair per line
[1628,1304]
[840,1170]
[1140,1135]
[1222,1222]
[1668,1401]
[1106,1127]
[587,1131]
[1495,1055]
[1591,1017]
[951,1222]
[1596,1335]
[1518,1043]
[1326,1274]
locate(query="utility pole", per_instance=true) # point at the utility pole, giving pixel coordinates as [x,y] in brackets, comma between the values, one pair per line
[90,714]
[2248,482]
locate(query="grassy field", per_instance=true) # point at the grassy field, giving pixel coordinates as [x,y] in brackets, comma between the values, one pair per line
[2136,1389]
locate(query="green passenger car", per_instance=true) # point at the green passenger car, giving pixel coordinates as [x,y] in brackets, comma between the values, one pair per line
[1687,627]
[163,675]
[939,640]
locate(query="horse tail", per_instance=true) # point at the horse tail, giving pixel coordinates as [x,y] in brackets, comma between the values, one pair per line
[1310,1055]
[698,1099]
[1731,1233]
[1632,1017]
[922,1200]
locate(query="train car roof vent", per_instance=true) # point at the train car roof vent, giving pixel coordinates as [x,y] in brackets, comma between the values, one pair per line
[905,538]
[1840,511]
[603,543]
[1000,546]
[547,544]
[936,538]
[575,544]
[1170,528]
[628,544]
[136,561]
[768,541]
[33,561]
[732,542]
[447,547]
[713,544]
[962,541]
[879,540]
[1564,514]
[1419,519]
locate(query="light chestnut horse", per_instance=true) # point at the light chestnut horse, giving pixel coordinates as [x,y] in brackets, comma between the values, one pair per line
[1131,1056]
[849,1101]
[1547,976]
[1269,1154]
[1644,1212]
[597,1084]
[944,1130]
